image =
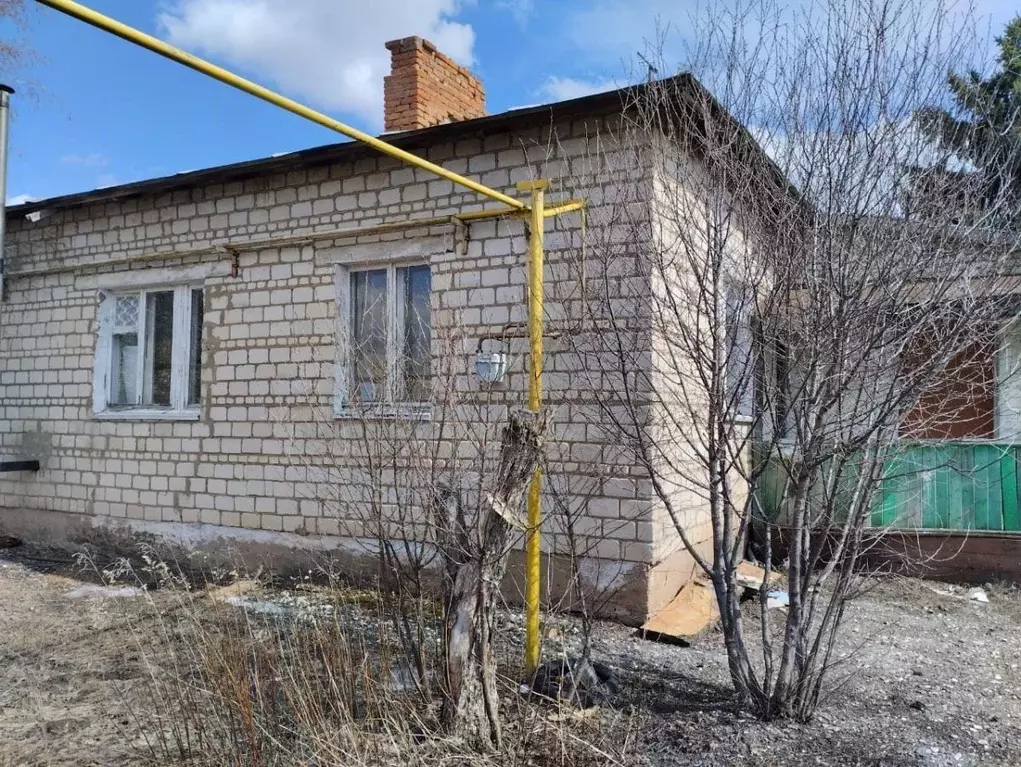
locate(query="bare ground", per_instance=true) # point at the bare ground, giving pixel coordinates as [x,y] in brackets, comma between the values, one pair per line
[69,668]
[934,680]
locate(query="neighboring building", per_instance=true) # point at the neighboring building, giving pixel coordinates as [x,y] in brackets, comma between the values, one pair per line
[250,354]
[949,503]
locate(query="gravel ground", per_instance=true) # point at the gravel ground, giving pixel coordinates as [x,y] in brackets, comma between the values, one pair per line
[933,680]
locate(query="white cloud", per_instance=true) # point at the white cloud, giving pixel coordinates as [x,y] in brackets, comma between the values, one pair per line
[614,31]
[20,199]
[621,28]
[326,51]
[564,88]
[521,10]
[91,160]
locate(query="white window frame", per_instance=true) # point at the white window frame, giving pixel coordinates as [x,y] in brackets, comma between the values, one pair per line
[390,406]
[179,409]
[1007,393]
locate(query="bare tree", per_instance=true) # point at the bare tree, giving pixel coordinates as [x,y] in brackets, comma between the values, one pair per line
[802,312]
[433,505]
[475,547]
[13,50]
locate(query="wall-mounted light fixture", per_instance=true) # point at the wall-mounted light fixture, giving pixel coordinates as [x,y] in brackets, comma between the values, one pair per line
[491,366]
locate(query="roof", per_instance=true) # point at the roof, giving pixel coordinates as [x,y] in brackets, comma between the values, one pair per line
[347,151]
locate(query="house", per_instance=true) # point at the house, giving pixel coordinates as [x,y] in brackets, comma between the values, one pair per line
[277,356]
[946,501]
[952,488]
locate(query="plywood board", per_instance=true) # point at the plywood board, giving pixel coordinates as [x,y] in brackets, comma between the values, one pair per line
[750,576]
[238,588]
[690,613]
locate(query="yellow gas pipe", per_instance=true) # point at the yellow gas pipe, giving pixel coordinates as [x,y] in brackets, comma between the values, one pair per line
[537,214]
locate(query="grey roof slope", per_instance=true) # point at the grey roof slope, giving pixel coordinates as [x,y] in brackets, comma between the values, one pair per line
[682,86]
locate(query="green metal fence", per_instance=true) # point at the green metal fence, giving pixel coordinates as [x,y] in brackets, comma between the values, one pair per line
[952,486]
[944,486]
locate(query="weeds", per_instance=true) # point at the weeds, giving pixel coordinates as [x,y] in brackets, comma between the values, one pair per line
[317,675]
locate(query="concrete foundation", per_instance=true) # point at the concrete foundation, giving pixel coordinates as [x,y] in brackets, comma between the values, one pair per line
[615,590]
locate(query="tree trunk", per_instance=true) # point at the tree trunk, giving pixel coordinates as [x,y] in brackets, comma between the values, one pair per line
[475,560]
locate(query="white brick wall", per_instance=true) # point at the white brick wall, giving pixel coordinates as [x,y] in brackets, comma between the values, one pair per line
[267,453]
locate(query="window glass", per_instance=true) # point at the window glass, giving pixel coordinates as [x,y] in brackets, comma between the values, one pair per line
[153,339]
[124,351]
[417,334]
[124,390]
[739,352]
[126,312]
[369,335]
[390,336]
[159,314]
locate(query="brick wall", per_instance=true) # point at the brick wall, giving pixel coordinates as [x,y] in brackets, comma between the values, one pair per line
[267,453]
[426,88]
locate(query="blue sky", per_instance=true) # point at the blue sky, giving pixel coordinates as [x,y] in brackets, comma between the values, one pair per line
[93,110]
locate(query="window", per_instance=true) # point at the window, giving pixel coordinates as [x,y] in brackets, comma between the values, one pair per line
[739,350]
[782,412]
[149,353]
[386,337]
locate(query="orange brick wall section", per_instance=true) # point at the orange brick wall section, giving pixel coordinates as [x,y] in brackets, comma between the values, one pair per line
[426,88]
[962,403]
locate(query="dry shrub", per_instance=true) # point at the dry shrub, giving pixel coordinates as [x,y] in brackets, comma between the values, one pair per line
[318,676]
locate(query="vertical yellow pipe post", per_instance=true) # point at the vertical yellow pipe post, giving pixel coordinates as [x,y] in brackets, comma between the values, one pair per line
[533,559]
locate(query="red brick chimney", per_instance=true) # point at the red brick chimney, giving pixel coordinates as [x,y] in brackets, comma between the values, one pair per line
[426,88]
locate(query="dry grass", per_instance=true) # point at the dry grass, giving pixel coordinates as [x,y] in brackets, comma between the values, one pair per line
[319,676]
[117,681]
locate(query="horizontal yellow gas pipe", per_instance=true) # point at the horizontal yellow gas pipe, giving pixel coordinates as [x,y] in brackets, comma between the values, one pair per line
[474,215]
[133,35]
[567,207]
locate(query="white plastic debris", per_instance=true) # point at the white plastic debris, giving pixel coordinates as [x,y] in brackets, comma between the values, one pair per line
[977,594]
[776,599]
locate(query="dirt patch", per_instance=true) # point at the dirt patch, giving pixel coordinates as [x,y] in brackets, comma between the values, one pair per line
[934,679]
[70,670]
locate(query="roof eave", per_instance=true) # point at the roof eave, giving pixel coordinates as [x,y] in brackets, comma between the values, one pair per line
[344,151]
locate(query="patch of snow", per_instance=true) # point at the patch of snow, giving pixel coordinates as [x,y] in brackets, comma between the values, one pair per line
[283,606]
[94,591]
[257,606]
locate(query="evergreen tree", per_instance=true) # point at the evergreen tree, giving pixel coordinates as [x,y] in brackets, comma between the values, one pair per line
[985,128]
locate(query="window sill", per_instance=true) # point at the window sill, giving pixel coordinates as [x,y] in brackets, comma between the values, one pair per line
[411,412]
[147,414]
[741,420]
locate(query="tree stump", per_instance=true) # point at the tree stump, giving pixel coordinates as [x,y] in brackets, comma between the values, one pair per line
[475,560]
